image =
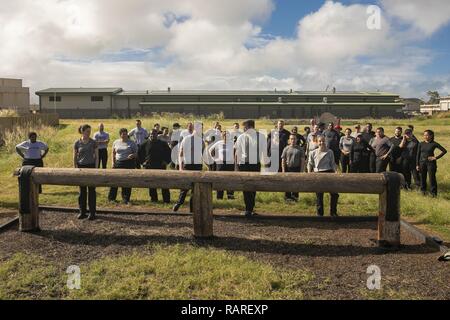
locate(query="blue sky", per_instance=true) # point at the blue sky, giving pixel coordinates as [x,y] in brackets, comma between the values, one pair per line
[234,44]
[284,20]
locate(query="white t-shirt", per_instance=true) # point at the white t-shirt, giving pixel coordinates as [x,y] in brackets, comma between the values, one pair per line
[139,135]
[235,134]
[254,151]
[175,136]
[183,134]
[101,136]
[192,148]
[222,151]
[32,150]
[213,135]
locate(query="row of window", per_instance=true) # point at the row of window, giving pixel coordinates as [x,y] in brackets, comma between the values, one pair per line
[59,98]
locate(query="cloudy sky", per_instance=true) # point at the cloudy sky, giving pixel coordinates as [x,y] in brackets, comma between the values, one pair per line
[234,44]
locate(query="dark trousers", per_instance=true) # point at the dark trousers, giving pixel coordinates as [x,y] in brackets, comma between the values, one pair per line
[416,176]
[361,166]
[345,163]
[428,169]
[334,197]
[249,197]
[87,194]
[396,165]
[337,156]
[126,192]
[153,193]
[292,195]
[34,162]
[102,158]
[224,167]
[372,163]
[183,193]
[381,165]
[407,168]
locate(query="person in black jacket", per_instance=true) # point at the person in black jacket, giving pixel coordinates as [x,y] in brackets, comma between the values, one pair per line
[332,139]
[155,154]
[395,162]
[360,156]
[367,136]
[283,136]
[408,148]
[426,162]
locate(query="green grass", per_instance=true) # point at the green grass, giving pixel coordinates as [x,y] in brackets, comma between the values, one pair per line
[433,213]
[172,272]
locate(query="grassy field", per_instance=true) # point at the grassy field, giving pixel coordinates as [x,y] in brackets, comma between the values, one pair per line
[227,277]
[431,213]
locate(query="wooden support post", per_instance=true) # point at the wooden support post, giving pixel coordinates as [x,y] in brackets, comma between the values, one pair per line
[203,213]
[29,202]
[389,217]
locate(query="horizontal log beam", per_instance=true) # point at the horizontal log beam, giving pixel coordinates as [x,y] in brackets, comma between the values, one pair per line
[237,181]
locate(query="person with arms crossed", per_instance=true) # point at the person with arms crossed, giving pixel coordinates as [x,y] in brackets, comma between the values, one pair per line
[32,152]
[85,156]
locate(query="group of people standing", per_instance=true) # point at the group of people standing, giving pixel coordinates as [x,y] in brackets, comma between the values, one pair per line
[322,149]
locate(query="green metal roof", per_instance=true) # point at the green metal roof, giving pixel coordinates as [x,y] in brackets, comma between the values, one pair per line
[79,90]
[272,104]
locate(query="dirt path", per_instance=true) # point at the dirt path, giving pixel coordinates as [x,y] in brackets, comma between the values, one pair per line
[337,253]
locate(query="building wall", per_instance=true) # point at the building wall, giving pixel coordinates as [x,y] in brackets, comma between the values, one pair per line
[13,95]
[77,106]
[81,106]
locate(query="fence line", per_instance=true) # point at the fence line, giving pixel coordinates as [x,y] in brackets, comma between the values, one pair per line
[386,185]
[10,123]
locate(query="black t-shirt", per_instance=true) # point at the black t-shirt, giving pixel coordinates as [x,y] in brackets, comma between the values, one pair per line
[332,139]
[284,138]
[426,150]
[156,153]
[367,136]
[359,152]
[409,151]
[396,152]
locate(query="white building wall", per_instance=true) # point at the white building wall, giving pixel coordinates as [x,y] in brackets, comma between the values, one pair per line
[13,95]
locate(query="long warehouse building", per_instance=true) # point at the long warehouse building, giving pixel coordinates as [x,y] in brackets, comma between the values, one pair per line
[92,103]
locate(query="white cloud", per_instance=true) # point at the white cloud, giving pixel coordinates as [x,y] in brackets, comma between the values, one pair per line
[425,16]
[201,44]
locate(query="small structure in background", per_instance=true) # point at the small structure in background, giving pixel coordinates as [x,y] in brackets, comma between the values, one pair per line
[412,106]
[14,96]
[442,106]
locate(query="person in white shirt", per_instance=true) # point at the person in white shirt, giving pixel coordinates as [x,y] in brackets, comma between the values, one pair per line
[321,160]
[250,154]
[213,135]
[102,139]
[190,159]
[222,153]
[235,132]
[32,152]
[139,134]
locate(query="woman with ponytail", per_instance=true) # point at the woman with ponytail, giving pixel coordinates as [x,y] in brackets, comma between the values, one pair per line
[85,155]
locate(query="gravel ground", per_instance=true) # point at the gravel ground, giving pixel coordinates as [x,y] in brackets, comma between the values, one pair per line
[337,253]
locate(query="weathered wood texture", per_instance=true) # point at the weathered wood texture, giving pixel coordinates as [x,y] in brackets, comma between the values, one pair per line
[203,210]
[387,185]
[237,181]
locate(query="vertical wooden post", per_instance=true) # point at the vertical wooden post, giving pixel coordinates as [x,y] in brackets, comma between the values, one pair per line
[203,214]
[389,216]
[28,200]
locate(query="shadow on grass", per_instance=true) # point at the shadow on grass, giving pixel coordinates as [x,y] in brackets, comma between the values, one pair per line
[227,243]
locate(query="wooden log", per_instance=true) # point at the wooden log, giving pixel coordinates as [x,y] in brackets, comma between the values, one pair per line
[30,221]
[237,181]
[203,212]
[389,217]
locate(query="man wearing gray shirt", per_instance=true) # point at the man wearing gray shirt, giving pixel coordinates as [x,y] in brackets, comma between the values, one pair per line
[102,139]
[292,160]
[383,149]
